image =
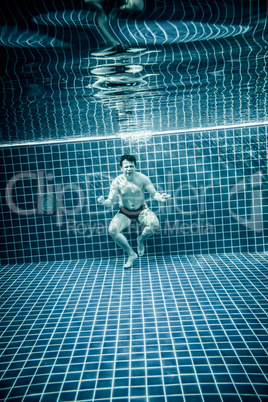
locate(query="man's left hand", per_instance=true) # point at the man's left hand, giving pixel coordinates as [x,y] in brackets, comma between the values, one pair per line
[164,197]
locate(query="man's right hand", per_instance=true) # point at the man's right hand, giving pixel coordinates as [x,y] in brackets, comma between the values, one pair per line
[107,203]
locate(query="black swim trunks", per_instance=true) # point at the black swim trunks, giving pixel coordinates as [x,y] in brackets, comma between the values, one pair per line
[132,214]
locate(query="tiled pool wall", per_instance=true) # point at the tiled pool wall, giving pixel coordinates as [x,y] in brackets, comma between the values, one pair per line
[217,180]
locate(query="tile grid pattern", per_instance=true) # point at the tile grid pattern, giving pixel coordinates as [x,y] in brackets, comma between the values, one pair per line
[174,328]
[216,179]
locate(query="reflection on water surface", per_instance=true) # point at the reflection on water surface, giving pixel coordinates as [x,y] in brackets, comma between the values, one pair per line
[103,68]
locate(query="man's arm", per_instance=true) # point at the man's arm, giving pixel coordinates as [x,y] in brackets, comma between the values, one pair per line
[155,194]
[111,197]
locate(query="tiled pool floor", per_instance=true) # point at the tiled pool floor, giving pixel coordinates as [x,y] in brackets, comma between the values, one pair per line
[173,328]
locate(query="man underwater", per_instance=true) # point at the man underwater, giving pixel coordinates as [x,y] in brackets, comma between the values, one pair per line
[130,186]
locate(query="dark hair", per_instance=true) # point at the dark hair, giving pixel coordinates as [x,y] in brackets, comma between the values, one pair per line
[129,158]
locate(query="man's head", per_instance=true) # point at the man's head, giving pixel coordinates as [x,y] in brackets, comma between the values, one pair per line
[128,166]
[129,158]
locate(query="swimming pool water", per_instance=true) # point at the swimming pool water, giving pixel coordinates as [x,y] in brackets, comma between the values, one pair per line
[217,181]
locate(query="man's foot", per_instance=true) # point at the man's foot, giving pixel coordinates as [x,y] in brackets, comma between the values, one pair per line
[140,247]
[130,260]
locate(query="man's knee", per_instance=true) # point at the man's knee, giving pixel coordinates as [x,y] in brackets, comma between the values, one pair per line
[155,226]
[113,230]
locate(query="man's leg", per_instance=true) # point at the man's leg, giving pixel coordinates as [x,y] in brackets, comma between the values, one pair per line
[151,222]
[117,225]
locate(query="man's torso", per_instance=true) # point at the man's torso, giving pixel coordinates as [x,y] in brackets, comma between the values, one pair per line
[131,192]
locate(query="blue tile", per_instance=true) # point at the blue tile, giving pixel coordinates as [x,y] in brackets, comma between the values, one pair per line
[144,361]
[173,390]
[154,371]
[138,392]
[139,381]
[137,373]
[208,388]
[154,381]
[85,395]
[205,378]
[187,370]
[53,387]
[70,386]
[231,398]
[171,379]
[261,389]
[176,398]
[190,389]
[155,391]
[212,398]
[50,397]
[102,393]
[120,392]
[193,398]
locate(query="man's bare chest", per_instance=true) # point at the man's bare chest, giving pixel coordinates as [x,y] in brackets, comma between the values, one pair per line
[130,189]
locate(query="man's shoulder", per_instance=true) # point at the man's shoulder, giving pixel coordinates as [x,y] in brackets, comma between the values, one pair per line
[117,180]
[143,177]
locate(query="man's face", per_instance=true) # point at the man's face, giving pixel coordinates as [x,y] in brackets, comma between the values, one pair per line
[128,168]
